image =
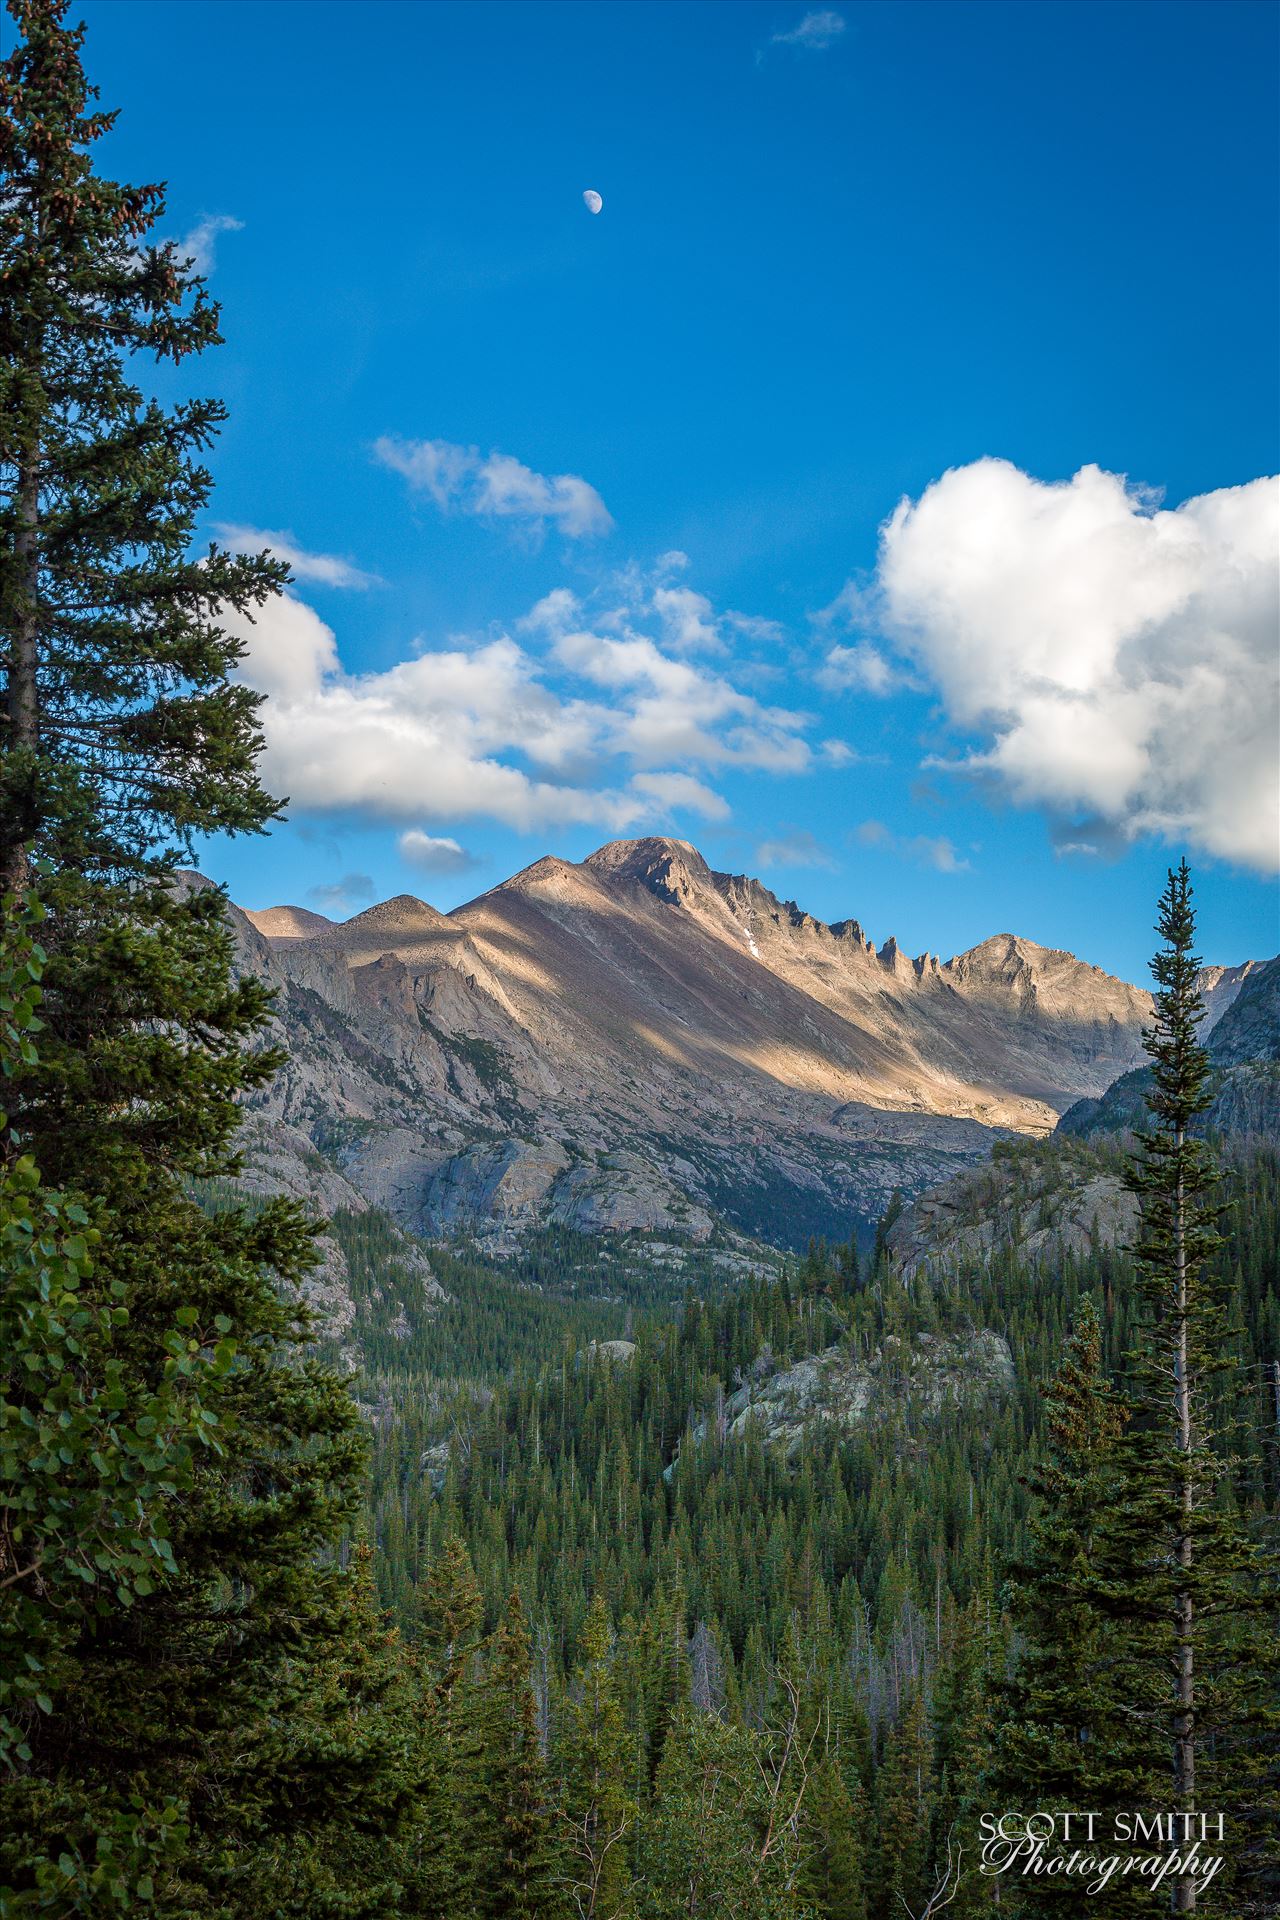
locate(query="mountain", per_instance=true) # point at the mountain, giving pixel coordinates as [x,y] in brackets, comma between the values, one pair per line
[637,1042]
[1242,1038]
[1038,1200]
[289,923]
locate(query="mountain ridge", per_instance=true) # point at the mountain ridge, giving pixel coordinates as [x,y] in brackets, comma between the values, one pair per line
[637,1042]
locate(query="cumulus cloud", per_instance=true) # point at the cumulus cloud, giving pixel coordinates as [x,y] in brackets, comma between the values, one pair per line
[861,669]
[200,245]
[566,720]
[816,31]
[667,709]
[432,855]
[687,619]
[290,652]
[326,569]
[672,790]
[798,848]
[496,486]
[1116,660]
[921,849]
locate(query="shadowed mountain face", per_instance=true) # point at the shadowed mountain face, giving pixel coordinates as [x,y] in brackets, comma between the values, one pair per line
[640,1042]
[1242,1039]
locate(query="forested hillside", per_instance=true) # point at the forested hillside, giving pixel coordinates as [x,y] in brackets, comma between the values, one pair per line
[866,1567]
[640,1573]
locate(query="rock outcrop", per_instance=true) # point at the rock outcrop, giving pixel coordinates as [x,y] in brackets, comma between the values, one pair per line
[914,1383]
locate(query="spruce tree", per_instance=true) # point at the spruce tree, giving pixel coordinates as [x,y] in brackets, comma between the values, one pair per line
[123,735]
[528,1883]
[92,1457]
[598,1810]
[961,1754]
[1148,1678]
[461,1847]
[1203,1589]
[904,1792]
[832,1880]
[1074,1717]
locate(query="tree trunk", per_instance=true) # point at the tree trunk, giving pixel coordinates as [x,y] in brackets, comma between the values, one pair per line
[23,696]
[1184,1893]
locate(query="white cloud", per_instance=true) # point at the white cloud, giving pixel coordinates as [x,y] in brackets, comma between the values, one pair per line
[200,245]
[687,619]
[1117,661]
[861,669]
[496,486]
[667,709]
[752,627]
[326,569]
[921,849]
[799,848]
[838,753]
[289,650]
[671,790]
[815,32]
[433,855]
[563,724]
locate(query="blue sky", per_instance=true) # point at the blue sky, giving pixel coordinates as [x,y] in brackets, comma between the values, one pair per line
[607,493]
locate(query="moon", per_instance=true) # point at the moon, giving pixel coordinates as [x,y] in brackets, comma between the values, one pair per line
[592,200]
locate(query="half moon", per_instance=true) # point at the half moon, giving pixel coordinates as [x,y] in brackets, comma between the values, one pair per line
[592,200]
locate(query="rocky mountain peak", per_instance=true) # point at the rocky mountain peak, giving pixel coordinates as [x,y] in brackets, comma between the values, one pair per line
[640,1043]
[288,923]
[674,870]
[403,914]
[549,869]
[1003,956]
[1248,1028]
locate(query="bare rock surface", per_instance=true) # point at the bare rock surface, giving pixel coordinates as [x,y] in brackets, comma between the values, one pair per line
[1037,1210]
[916,1381]
[639,1043]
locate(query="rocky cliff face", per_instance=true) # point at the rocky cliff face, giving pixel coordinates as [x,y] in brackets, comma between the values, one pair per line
[1241,1034]
[638,1042]
[1066,1193]
[1035,1205]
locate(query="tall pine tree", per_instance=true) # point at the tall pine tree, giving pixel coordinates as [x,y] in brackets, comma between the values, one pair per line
[599,1811]
[1074,1732]
[1204,1589]
[528,1883]
[123,734]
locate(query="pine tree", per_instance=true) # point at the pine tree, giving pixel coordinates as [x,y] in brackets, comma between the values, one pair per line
[91,1460]
[961,1753]
[598,1809]
[354,1725]
[528,1882]
[1072,1734]
[124,734]
[834,1836]
[1142,1566]
[461,1845]
[905,1805]
[1066,1734]
[1201,1587]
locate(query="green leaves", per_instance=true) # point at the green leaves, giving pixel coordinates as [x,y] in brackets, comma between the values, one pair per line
[92,1453]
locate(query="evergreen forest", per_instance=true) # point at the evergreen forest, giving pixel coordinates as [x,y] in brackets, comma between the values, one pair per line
[554,1592]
